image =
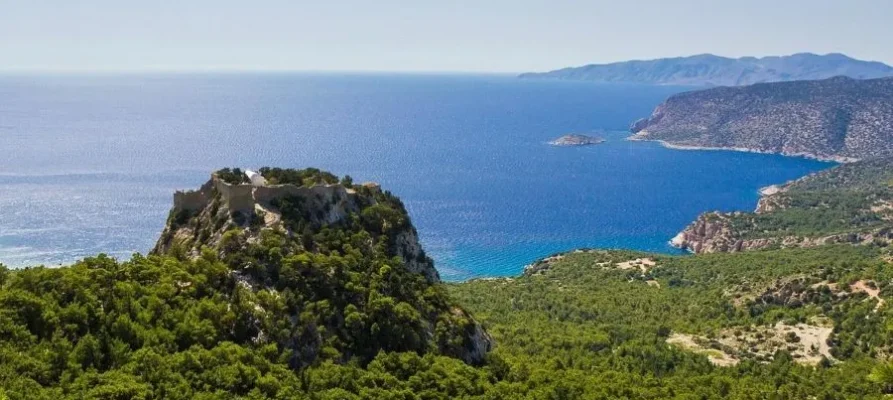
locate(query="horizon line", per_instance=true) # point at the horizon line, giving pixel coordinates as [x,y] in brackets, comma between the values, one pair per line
[238,70]
[256,69]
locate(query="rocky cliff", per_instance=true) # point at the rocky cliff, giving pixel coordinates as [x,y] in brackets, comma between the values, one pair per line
[219,206]
[347,254]
[710,233]
[839,119]
[711,70]
[851,203]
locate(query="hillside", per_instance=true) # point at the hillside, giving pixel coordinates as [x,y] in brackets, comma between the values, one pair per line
[838,119]
[294,203]
[302,286]
[246,285]
[620,324]
[711,70]
[851,203]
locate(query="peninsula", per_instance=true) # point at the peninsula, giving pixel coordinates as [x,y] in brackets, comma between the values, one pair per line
[837,119]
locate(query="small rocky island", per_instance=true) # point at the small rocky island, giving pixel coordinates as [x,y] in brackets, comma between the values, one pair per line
[576,140]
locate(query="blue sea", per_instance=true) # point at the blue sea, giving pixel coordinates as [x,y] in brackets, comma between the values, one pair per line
[89,162]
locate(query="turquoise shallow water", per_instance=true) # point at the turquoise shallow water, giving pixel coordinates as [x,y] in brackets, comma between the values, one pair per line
[90,162]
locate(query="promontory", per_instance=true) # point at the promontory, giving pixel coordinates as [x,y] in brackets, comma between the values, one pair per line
[839,119]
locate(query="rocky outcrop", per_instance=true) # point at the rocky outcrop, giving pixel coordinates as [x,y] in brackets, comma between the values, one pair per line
[350,249]
[479,344]
[838,119]
[713,234]
[408,248]
[769,203]
[710,233]
[711,70]
[477,341]
[202,217]
[576,140]
[640,124]
[542,265]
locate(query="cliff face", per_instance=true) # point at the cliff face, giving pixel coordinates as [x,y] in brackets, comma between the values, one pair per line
[852,203]
[345,257]
[838,119]
[711,70]
[710,233]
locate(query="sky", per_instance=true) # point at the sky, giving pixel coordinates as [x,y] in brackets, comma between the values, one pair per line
[424,35]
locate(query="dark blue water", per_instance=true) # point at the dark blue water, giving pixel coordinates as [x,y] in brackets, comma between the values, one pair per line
[89,162]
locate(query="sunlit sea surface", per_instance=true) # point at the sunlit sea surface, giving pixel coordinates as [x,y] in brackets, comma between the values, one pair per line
[89,163]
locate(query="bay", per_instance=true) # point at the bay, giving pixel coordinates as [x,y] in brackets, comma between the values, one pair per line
[90,161]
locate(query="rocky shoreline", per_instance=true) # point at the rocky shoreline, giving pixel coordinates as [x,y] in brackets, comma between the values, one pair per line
[740,231]
[704,237]
[641,137]
[712,232]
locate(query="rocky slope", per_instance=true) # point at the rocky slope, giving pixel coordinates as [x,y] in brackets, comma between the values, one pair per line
[852,203]
[711,70]
[837,119]
[219,206]
[351,247]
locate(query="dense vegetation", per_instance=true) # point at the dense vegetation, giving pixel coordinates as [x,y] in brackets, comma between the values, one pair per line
[160,327]
[332,268]
[282,176]
[157,327]
[299,177]
[584,329]
[307,309]
[849,198]
[233,176]
[235,305]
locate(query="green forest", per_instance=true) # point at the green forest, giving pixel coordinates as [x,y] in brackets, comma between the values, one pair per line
[308,308]
[847,199]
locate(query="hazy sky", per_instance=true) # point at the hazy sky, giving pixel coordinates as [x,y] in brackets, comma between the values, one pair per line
[423,35]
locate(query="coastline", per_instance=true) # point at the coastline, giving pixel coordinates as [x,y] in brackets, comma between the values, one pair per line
[771,189]
[836,159]
[678,241]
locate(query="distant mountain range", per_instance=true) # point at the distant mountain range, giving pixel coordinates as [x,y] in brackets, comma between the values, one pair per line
[712,70]
[838,118]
